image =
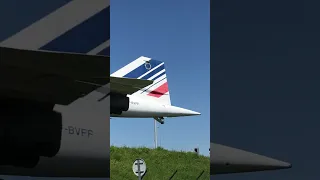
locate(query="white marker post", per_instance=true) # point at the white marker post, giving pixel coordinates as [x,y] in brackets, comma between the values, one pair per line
[139,168]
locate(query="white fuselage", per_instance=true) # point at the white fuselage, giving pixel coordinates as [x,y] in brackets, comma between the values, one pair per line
[140,107]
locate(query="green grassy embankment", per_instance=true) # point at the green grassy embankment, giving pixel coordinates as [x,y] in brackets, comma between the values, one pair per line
[161,164]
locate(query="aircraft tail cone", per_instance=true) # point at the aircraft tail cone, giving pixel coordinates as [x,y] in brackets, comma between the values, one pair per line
[225,160]
[174,111]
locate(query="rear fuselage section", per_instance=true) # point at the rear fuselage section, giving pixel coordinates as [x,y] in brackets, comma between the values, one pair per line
[131,106]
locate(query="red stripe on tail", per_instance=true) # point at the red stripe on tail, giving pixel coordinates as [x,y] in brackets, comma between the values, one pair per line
[160,91]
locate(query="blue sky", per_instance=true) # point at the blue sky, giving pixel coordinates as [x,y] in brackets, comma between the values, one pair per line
[176,32]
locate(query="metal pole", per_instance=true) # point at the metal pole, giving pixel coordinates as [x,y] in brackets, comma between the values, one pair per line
[155,135]
[159,137]
[139,173]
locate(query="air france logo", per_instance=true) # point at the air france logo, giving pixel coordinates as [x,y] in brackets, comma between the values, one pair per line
[147,65]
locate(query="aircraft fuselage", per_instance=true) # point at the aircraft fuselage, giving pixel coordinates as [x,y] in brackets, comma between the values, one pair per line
[137,107]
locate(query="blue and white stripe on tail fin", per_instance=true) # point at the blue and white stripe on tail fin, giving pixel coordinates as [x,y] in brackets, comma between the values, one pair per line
[148,69]
[76,27]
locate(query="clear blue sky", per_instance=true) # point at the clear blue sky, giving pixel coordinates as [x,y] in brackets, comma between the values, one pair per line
[178,33]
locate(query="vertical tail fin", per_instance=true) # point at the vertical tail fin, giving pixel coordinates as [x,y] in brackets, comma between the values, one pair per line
[148,69]
[75,27]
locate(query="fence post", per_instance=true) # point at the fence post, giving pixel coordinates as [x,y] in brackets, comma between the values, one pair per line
[200,175]
[173,175]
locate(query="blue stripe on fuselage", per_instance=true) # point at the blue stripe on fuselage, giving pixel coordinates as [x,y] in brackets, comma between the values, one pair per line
[139,71]
[85,36]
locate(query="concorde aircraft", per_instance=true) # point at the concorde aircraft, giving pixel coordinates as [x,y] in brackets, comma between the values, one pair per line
[141,90]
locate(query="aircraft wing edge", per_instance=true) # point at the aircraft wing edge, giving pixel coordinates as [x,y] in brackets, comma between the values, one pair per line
[127,85]
[53,77]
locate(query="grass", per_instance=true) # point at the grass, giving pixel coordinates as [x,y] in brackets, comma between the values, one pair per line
[161,164]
